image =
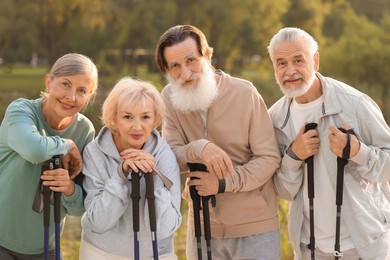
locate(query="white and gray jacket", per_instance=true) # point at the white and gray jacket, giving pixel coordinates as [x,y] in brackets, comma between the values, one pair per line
[366,207]
[108,221]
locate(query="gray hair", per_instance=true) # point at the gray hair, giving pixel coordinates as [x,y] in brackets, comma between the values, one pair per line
[291,34]
[72,64]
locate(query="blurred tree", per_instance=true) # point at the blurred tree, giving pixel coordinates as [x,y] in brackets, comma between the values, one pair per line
[17,35]
[63,25]
[50,28]
[237,30]
[361,56]
[311,16]
[374,10]
[139,25]
[334,20]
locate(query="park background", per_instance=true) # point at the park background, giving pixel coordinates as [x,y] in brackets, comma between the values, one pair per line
[121,35]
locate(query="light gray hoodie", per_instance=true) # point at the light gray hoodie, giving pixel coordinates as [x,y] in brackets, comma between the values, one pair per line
[108,221]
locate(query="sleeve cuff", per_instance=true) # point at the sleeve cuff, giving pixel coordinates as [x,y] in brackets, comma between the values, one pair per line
[290,167]
[76,194]
[290,153]
[363,155]
[124,176]
[200,146]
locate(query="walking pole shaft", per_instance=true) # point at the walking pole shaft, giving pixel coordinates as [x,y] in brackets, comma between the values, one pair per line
[57,211]
[196,210]
[206,224]
[135,197]
[206,213]
[152,211]
[310,190]
[341,163]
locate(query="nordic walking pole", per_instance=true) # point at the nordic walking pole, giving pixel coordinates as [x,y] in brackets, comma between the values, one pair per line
[206,213]
[46,191]
[196,209]
[310,191]
[135,197]
[341,163]
[57,211]
[152,211]
[206,220]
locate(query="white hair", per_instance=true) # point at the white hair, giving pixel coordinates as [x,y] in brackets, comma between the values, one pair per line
[291,34]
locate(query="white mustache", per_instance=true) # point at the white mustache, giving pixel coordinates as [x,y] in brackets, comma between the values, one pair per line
[194,76]
[294,76]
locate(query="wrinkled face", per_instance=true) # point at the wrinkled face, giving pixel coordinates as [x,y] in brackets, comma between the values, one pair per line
[134,126]
[294,67]
[184,62]
[192,77]
[67,95]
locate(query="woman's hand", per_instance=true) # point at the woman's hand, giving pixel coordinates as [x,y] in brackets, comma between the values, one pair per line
[137,160]
[58,180]
[73,161]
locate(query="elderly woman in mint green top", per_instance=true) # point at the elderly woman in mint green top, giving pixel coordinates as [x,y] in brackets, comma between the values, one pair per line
[32,132]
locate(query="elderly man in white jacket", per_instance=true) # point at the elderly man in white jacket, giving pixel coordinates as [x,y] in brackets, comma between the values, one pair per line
[310,97]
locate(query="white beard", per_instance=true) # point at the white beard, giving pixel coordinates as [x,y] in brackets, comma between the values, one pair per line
[295,91]
[198,96]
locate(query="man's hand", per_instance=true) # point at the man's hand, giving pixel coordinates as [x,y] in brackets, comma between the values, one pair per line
[306,144]
[217,161]
[205,183]
[338,141]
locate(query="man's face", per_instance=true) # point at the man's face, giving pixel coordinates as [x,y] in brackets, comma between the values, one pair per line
[294,67]
[184,62]
[191,77]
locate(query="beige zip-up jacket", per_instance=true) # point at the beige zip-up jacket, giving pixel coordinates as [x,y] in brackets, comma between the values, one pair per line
[239,123]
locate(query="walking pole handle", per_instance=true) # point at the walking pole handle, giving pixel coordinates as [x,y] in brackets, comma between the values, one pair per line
[135,197]
[310,166]
[57,164]
[149,194]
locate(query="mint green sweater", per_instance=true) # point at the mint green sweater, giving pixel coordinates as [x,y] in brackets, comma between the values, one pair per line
[22,151]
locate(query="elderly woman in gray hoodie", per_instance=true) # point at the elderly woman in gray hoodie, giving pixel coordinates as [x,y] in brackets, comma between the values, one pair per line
[129,142]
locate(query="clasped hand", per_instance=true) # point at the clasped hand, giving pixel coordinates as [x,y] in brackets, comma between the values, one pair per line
[137,160]
[217,161]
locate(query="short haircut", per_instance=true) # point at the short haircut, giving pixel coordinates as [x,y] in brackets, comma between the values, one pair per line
[291,34]
[129,93]
[177,34]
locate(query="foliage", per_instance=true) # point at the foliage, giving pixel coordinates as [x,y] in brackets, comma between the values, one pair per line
[365,49]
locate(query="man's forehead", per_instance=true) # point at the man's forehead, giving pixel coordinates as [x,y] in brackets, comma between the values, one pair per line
[182,50]
[290,49]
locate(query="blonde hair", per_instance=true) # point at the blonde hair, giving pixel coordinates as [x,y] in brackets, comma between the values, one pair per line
[130,93]
[72,64]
